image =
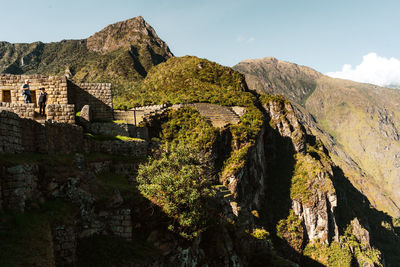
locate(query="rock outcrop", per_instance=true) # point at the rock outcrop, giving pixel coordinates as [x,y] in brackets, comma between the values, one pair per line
[125,33]
[121,53]
[356,122]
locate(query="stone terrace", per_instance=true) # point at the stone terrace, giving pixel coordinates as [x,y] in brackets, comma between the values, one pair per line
[220,116]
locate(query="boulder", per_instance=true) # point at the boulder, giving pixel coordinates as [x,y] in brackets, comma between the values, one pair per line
[86,113]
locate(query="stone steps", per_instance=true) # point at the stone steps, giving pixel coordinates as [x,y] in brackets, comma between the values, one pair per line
[219,116]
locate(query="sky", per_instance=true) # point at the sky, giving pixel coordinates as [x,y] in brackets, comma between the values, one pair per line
[334,37]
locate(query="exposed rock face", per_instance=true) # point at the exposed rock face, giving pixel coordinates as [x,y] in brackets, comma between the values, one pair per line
[318,214]
[283,156]
[122,53]
[358,123]
[288,179]
[86,113]
[123,34]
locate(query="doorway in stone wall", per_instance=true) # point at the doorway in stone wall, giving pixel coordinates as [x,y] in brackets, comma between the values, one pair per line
[33,96]
[6,96]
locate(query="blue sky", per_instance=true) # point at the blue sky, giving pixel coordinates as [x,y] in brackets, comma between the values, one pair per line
[321,34]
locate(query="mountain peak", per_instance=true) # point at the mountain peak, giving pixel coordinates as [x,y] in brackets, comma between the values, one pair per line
[265,59]
[125,33]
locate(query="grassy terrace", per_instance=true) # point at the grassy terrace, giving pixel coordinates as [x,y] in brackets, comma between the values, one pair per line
[101,137]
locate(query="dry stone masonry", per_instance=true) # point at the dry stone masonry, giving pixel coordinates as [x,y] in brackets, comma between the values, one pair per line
[134,148]
[22,110]
[138,114]
[18,135]
[121,223]
[56,88]
[64,97]
[97,95]
[114,129]
[219,116]
[61,113]
[65,243]
[18,183]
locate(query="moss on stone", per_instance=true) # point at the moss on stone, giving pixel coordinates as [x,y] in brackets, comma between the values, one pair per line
[291,230]
[305,180]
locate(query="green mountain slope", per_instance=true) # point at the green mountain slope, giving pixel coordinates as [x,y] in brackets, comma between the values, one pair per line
[191,79]
[362,121]
[121,53]
[272,76]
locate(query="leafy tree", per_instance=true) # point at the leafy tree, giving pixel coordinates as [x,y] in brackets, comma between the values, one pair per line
[179,183]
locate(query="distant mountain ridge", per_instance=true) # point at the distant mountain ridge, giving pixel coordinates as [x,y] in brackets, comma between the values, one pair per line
[272,76]
[362,120]
[121,53]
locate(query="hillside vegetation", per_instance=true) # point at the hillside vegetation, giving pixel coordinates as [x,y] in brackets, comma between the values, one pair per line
[121,53]
[264,191]
[190,79]
[272,76]
[361,119]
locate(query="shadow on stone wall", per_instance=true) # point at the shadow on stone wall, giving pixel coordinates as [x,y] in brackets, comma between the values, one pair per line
[18,135]
[81,97]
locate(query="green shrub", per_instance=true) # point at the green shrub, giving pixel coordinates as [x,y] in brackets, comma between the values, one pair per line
[180,184]
[266,98]
[304,179]
[260,233]
[291,229]
[333,255]
[187,126]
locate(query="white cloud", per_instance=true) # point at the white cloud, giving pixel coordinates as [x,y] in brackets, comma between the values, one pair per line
[251,39]
[242,39]
[373,69]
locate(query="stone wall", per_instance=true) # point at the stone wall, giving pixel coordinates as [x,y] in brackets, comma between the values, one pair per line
[56,88]
[62,138]
[120,223]
[61,113]
[10,133]
[65,243]
[138,114]
[134,148]
[22,110]
[114,129]
[19,135]
[18,183]
[219,116]
[60,91]
[128,116]
[97,95]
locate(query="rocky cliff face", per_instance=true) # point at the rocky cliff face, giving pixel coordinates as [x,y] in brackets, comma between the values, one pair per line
[304,198]
[288,204]
[357,122]
[125,33]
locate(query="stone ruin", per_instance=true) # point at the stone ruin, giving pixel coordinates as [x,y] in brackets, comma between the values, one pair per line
[65,97]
